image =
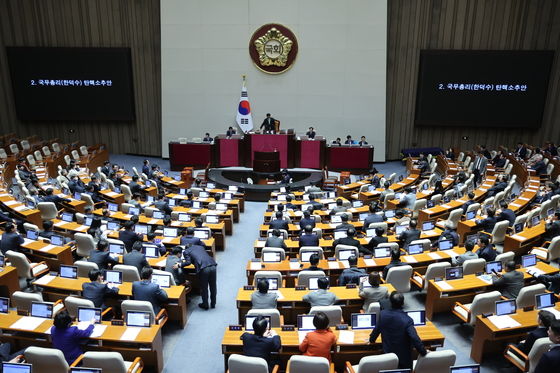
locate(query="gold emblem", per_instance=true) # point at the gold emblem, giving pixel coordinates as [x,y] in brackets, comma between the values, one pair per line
[273,48]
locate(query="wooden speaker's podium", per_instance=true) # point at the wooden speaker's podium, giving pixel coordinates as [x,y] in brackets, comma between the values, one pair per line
[266,162]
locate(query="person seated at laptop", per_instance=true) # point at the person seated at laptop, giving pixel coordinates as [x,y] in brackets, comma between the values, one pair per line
[500,186]
[552,226]
[460,259]
[135,257]
[11,240]
[410,234]
[351,275]
[450,233]
[487,224]
[372,217]
[375,241]
[510,283]
[95,231]
[320,341]
[51,197]
[101,255]
[98,290]
[395,262]
[316,205]
[506,213]
[188,238]
[344,225]
[128,236]
[279,222]
[284,216]
[339,207]
[308,238]
[550,360]
[261,298]
[262,343]
[230,132]
[307,220]
[313,263]
[544,320]
[68,338]
[289,205]
[47,231]
[469,202]
[552,282]
[408,198]
[148,291]
[321,296]
[162,205]
[348,240]
[276,240]
[151,240]
[375,293]
[337,142]
[485,249]
[187,202]
[387,190]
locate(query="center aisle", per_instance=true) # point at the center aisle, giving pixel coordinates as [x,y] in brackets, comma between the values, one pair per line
[198,348]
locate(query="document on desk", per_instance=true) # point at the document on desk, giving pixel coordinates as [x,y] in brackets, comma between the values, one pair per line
[44,280]
[167,239]
[503,322]
[345,263]
[370,262]
[444,285]
[302,334]
[161,263]
[98,330]
[82,228]
[130,333]
[524,198]
[294,265]
[255,265]
[515,204]
[518,237]
[346,337]
[28,323]
[153,221]
[47,248]
[434,256]
[534,271]
[451,253]
[10,203]
[410,259]
[333,265]
[485,278]
[554,311]
[446,206]
[194,210]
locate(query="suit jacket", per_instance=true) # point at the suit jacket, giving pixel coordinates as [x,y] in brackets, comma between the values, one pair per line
[268,124]
[487,224]
[552,229]
[347,241]
[509,284]
[54,198]
[308,240]
[488,253]
[372,218]
[532,336]
[263,300]
[137,259]
[198,256]
[351,276]
[68,340]
[549,361]
[398,335]
[101,258]
[408,236]
[449,234]
[540,168]
[96,292]
[275,242]
[145,290]
[310,134]
[76,186]
[163,206]
[343,227]
[372,295]
[373,243]
[191,240]
[480,164]
[11,241]
[134,187]
[459,260]
[508,215]
[320,297]
[129,237]
[316,205]
[305,222]
[257,346]
[552,282]
[230,133]
[279,224]
[339,209]
[467,204]
[521,152]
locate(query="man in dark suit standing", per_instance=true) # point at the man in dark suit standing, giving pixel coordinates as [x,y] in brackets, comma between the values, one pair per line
[506,213]
[101,256]
[397,332]
[11,240]
[205,268]
[550,360]
[268,124]
[510,283]
[479,168]
[147,291]
[279,222]
[409,235]
[308,238]
[97,290]
[311,133]
[135,257]
[128,236]
[146,167]
[521,150]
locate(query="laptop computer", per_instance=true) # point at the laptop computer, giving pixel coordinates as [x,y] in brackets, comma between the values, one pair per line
[113,207]
[419,317]
[203,234]
[203,194]
[304,256]
[114,277]
[32,235]
[271,257]
[169,232]
[535,220]
[518,227]
[4,305]
[313,283]
[249,321]
[336,218]
[474,368]
[87,221]
[196,204]
[116,248]
[471,215]
[370,232]
[164,281]
[150,251]
[172,202]
[134,211]
[414,249]
[67,271]
[400,228]
[138,318]
[85,370]
[430,204]
[428,225]
[272,283]
[340,234]
[57,240]
[528,260]
[158,215]
[364,281]
[445,244]
[382,252]
[495,266]
[362,216]
[345,254]
[212,219]
[363,320]
[453,273]
[141,229]
[112,226]
[77,196]
[67,217]
[305,322]
[16,368]
[357,203]
[505,307]
[184,217]
[390,213]
[42,309]
[86,314]
[545,300]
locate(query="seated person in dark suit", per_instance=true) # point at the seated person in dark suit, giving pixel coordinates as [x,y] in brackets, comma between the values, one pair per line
[97,290]
[344,225]
[135,257]
[11,240]
[313,197]
[351,275]
[289,205]
[375,240]
[500,186]
[521,150]
[128,236]
[321,296]
[134,186]
[372,217]
[230,132]
[188,238]
[162,205]
[449,233]
[5,217]
[510,283]
[76,185]
[485,249]
[395,262]
[550,361]
[506,213]
[101,256]
[262,343]
[544,320]
[307,220]
[147,291]
[552,226]
[313,263]
[277,240]
[540,168]
[348,240]
[279,222]
[66,337]
[336,142]
[363,141]
[50,197]
[469,202]
[308,238]
[207,138]
[487,224]
[397,332]
[339,207]
[311,133]
[349,140]
[410,234]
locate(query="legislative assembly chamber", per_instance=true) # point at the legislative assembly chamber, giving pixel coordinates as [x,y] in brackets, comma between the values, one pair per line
[256,186]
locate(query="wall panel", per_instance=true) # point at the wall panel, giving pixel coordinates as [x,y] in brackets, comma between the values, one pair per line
[89,23]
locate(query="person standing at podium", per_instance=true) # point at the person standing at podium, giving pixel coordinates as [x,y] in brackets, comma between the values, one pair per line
[268,124]
[311,133]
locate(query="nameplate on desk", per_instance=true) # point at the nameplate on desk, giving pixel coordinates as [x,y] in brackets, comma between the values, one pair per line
[248,287]
[235,327]
[351,286]
[288,328]
[300,287]
[342,327]
[117,322]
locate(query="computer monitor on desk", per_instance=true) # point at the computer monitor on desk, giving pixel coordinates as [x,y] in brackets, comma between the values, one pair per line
[505,307]
[528,260]
[116,248]
[339,234]
[545,300]
[400,228]
[203,234]
[345,254]
[138,318]
[86,314]
[495,266]
[169,232]
[249,319]
[445,244]
[471,215]
[305,322]
[67,271]
[114,277]
[381,252]
[85,370]
[304,256]
[271,257]
[414,249]
[4,305]
[428,225]
[57,240]
[41,309]
[453,273]
[363,320]
[16,368]
[419,317]
[474,368]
